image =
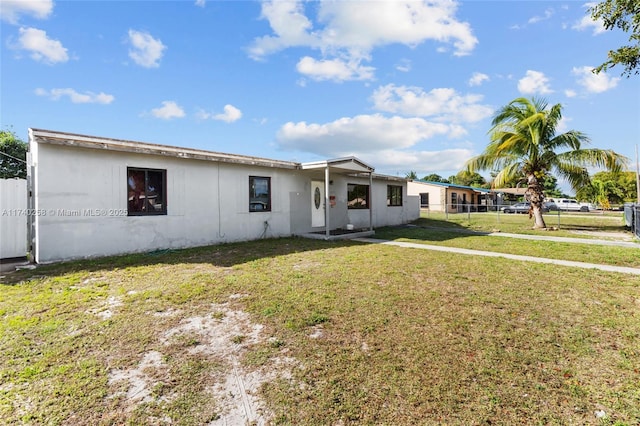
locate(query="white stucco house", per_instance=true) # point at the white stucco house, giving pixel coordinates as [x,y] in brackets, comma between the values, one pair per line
[94,196]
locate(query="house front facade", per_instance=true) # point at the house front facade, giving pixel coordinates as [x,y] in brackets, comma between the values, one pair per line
[94,196]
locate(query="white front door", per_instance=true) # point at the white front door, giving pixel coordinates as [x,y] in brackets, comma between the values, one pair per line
[317,203]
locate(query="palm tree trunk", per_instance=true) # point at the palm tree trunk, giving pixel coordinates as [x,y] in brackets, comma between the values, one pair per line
[535,196]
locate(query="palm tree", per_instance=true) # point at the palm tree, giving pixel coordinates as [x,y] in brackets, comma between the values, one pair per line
[524,145]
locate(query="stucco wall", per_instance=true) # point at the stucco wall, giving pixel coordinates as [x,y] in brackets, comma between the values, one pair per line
[437,200]
[13,218]
[83,194]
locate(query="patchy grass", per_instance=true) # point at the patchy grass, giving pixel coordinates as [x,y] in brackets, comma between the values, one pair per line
[379,335]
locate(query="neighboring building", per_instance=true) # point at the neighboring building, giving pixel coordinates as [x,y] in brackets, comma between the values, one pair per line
[94,196]
[13,218]
[441,197]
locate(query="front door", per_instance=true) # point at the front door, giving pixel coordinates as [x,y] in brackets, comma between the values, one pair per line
[317,203]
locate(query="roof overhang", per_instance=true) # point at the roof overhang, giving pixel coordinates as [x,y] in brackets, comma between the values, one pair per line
[512,191]
[346,164]
[92,142]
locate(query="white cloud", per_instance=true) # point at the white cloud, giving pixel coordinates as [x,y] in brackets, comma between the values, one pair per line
[42,48]
[563,124]
[76,97]
[290,27]
[168,110]
[594,83]
[586,23]
[146,51]
[443,104]
[358,135]
[429,161]
[10,10]
[534,82]
[569,93]
[229,115]
[478,78]
[404,65]
[387,142]
[201,3]
[350,30]
[334,69]
[548,13]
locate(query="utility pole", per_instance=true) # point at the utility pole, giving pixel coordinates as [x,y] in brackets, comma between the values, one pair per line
[637,177]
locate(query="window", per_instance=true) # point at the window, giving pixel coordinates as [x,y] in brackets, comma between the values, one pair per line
[357,196]
[146,192]
[454,200]
[259,194]
[394,195]
[424,199]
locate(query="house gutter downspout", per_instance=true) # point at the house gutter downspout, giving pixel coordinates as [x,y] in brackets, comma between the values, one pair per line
[327,228]
[370,201]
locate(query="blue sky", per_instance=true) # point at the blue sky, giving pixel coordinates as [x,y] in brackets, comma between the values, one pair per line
[403,85]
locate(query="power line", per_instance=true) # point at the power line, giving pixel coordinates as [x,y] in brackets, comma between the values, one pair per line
[11,156]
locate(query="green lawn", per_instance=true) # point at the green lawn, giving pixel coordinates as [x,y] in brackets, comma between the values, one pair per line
[351,334]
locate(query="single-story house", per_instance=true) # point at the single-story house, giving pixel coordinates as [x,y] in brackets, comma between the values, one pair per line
[441,197]
[94,196]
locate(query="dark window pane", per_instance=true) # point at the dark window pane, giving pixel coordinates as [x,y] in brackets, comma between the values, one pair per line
[259,194]
[146,192]
[136,184]
[357,196]
[394,195]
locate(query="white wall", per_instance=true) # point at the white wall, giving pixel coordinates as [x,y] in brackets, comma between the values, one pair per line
[13,218]
[437,201]
[207,203]
[83,193]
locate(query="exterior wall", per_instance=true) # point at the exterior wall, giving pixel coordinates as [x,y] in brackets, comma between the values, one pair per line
[84,194]
[383,215]
[437,194]
[13,218]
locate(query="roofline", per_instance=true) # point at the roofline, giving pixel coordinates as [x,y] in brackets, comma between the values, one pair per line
[453,185]
[335,162]
[120,145]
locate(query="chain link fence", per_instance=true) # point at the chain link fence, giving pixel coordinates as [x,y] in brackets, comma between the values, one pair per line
[506,212]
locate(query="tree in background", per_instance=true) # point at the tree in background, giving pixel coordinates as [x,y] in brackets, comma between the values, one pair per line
[524,144]
[609,188]
[623,14]
[13,156]
[435,178]
[411,175]
[550,187]
[467,178]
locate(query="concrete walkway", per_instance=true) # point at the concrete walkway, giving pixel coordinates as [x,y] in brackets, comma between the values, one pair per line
[608,268]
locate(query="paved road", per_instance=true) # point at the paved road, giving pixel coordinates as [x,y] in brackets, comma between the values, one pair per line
[585,265]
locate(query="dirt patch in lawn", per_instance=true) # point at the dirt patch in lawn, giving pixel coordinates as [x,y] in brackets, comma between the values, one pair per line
[223,334]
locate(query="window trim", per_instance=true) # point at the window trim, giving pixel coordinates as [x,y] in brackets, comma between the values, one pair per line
[454,200]
[269,198]
[146,170]
[391,196]
[367,197]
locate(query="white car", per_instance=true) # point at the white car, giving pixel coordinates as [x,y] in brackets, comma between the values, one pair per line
[570,204]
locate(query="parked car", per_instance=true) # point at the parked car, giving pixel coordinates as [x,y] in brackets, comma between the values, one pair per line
[516,208]
[549,206]
[570,204]
[522,208]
